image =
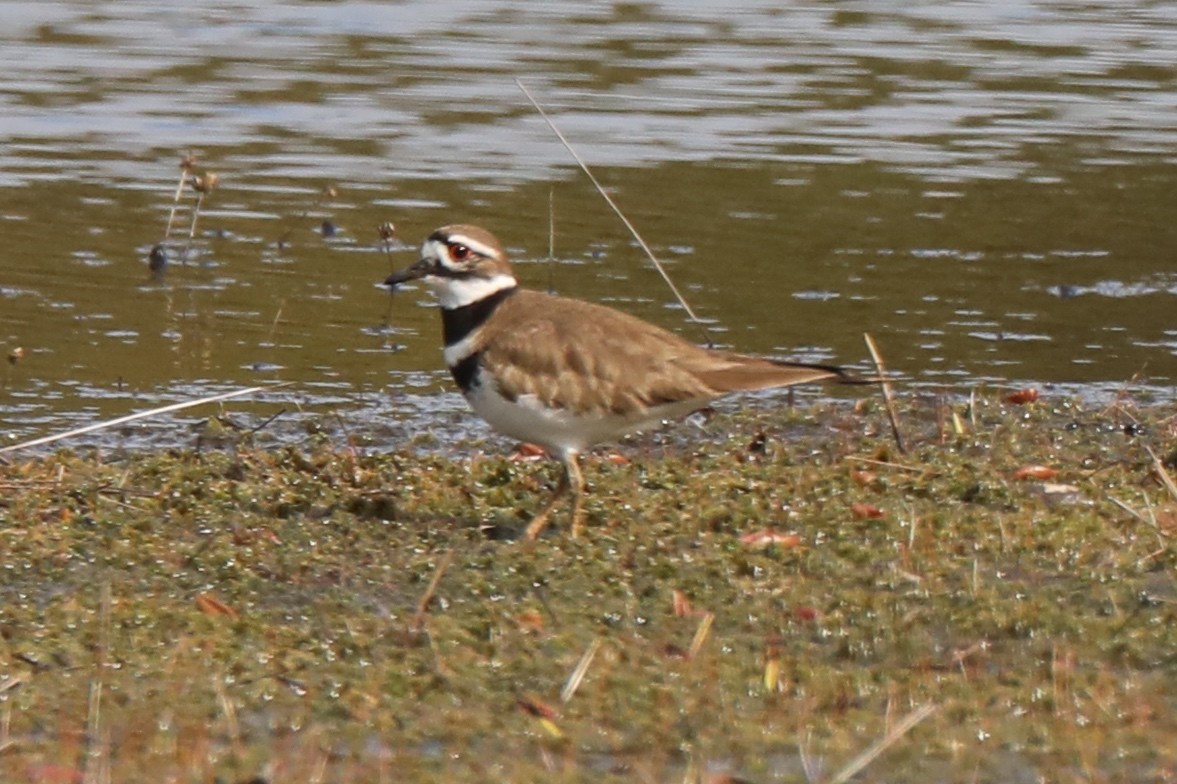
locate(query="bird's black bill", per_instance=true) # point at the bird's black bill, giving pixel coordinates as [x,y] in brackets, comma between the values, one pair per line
[415,272]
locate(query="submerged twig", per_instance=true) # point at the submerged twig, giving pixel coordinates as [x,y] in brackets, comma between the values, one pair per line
[141,415]
[617,210]
[888,397]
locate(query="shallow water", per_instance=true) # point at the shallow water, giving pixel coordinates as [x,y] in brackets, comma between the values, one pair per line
[987,188]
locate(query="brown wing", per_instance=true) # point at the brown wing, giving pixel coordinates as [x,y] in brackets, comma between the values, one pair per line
[587,357]
[735,373]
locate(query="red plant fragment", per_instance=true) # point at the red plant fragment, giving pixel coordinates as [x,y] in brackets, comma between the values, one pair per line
[210,605]
[863,478]
[52,774]
[1036,472]
[864,511]
[534,706]
[530,620]
[1022,396]
[527,452]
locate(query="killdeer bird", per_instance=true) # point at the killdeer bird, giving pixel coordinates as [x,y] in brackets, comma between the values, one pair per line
[567,374]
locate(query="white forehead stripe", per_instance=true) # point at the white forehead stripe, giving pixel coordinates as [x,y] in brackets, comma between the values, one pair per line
[436,249]
[481,249]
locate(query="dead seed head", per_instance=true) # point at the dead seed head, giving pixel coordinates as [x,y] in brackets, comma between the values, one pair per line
[205,183]
[188,162]
[16,355]
[387,231]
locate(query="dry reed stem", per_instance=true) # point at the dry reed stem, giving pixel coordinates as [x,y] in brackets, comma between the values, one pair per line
[141,415]
[186,165]
[888,397]
[195,217]
[617,210]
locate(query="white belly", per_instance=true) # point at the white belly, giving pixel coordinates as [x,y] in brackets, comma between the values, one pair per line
[562,430]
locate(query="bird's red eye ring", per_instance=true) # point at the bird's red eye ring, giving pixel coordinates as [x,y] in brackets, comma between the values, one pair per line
[458,251]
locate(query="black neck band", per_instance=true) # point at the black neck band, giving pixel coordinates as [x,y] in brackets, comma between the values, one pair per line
[457,323]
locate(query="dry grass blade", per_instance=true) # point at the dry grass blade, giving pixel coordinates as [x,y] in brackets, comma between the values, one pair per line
[141,415]
[896,466]
[11,682]
[888,397]
[613,205]
[1150,521]
[230,713]
[581,669]
[882,744]
[701,635]
[6,739]
[1158,466]
[1123,393]
[427,597]
[97,764]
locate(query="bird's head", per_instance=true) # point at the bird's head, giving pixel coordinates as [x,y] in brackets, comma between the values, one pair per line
[461,264]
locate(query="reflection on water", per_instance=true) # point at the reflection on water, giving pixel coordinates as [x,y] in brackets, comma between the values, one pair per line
[987,188]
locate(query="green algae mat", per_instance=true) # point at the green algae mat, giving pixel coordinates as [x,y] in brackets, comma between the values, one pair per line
[771,595]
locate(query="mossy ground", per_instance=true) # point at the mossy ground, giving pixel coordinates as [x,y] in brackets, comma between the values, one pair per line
[252,614]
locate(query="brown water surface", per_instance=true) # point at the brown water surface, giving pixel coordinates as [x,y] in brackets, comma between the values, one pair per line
[988,188]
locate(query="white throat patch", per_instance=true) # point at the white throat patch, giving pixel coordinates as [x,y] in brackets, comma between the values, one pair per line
[459,292]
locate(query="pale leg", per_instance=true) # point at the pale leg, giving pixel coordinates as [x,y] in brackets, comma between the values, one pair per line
[570,479]
[576,479]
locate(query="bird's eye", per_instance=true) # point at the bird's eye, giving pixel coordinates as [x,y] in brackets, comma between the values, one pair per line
[458,251]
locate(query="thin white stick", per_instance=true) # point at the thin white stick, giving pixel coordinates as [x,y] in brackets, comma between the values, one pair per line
[141,415]
[581,669]
[608,200]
